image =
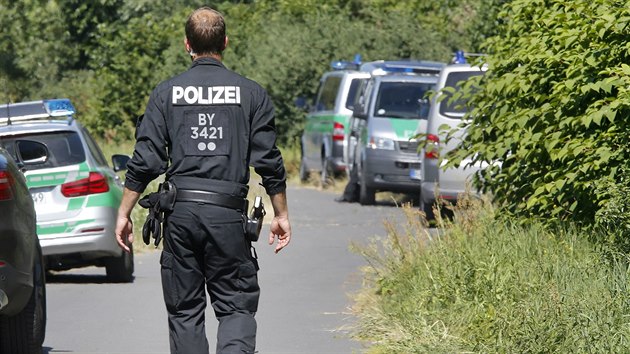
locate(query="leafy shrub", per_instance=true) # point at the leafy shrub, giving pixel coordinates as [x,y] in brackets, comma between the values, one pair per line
[552,107]
[613,216]
[487,285]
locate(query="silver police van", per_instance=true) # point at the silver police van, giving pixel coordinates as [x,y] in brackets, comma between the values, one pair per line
[392,107]
[436,182]
[326,130]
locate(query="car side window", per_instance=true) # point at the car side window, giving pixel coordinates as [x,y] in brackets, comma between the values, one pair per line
[94,149]
[328,94]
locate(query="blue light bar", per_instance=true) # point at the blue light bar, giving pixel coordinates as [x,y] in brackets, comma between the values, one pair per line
[460,57]
[347,65]
[396,69]
[417,67]
[59,107]
[343,65]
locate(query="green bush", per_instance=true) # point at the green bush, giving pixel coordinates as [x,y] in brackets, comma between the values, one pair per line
[613,216]
[107,55]
[493,286]
[551,108]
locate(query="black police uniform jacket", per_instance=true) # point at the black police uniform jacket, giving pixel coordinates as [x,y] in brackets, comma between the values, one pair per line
[204,128]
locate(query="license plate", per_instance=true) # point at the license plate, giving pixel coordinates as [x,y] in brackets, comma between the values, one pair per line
[38,198]
[415,174]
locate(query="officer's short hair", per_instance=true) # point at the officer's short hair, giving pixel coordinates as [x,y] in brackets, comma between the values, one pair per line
[205,30]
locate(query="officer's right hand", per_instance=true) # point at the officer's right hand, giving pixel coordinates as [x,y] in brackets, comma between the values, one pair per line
[280,228]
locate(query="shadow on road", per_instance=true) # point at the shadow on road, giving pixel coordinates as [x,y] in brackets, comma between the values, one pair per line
[73,278]
[387,199]
[396,200]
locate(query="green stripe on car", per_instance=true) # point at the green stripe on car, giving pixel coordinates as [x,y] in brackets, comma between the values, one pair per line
[405,129]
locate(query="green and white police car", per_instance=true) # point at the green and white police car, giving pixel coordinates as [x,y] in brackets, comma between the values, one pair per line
[75,192]
[324,141]
[389,112]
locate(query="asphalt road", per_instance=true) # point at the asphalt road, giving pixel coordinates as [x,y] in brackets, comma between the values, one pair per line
[304,289]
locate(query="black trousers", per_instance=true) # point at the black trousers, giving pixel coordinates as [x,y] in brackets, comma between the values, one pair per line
[205,247]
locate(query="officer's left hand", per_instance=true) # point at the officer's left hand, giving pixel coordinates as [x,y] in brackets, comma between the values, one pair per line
[124,232]
[280,228]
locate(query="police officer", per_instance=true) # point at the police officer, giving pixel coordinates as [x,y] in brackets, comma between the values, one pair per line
[203,128]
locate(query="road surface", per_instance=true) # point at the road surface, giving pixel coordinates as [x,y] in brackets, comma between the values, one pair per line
[304,289]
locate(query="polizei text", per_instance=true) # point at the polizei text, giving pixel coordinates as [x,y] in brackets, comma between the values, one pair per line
[206,95]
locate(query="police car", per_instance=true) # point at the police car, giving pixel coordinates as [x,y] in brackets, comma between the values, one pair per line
[324,140]
[446,115]
[390,109]
[75,192]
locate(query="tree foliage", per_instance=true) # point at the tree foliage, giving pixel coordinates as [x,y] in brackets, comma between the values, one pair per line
[550,113]
[107,55]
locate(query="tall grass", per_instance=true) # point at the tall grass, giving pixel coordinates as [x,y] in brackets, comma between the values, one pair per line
[482,284]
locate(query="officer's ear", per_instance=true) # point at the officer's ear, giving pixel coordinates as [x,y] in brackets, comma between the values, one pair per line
[225,43]
[188,47]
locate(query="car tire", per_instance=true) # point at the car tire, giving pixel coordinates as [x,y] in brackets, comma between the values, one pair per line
[120,269]
[367,196]
[427,209]
[303,170]
[326,176]
[24,333]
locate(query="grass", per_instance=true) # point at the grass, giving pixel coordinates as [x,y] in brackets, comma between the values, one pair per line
[483,284]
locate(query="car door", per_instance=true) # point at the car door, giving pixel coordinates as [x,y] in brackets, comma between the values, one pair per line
[354,122]
[363,126]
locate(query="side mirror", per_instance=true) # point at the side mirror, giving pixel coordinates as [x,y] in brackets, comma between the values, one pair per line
[359,111]
[302,103]
[120,162]
[31,152]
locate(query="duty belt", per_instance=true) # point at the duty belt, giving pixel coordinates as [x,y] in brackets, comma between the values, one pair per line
[224,200]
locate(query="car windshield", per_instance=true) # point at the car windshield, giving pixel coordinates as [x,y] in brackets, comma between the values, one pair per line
[401,100]
[64,148]
[455,108]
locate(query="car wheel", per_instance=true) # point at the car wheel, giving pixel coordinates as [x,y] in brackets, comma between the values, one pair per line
[120,269]
[24,333]
[367,196]
[303,170]
[326,176]
[353,187]
[427,208]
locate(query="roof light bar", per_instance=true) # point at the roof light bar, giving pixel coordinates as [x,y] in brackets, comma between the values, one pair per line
[347,65]
[460,57]
[59,107]
[417,67]
[36,110]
